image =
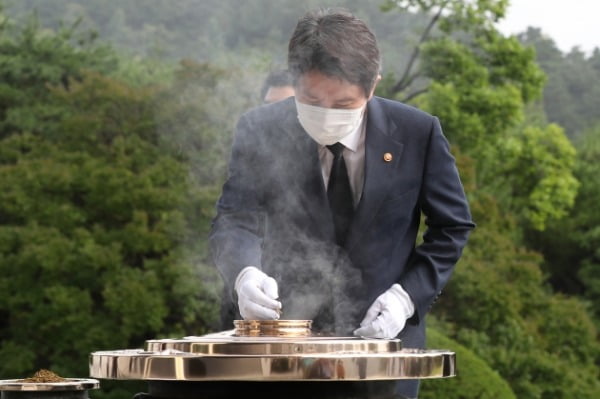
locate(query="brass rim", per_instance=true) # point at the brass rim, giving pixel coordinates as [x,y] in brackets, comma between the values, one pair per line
[281,346]
[173,365]
[70,384]
[272,328]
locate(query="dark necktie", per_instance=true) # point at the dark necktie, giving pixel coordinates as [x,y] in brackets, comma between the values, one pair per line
[340,194]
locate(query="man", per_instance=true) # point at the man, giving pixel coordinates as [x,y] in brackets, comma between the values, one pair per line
[328,237]
[277,86]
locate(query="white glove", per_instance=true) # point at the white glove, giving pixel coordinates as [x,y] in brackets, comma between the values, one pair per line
[387,315]
[257,294]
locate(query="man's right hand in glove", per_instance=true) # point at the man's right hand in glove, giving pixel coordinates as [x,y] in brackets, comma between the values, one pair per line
[257,294]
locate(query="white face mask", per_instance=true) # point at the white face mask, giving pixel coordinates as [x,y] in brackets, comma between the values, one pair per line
[328,125]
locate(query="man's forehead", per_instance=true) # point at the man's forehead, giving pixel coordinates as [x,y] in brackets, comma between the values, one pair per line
[316,84]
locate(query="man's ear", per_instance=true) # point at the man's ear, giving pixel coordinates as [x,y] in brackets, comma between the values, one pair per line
[377,80]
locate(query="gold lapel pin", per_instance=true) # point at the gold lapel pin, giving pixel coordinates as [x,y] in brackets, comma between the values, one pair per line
[387,157]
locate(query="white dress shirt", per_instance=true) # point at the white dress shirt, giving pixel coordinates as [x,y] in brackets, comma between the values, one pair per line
[354,155]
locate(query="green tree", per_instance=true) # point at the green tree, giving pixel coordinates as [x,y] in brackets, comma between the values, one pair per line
[463,70]
[92,225]
[465,32]
[572,94]
[30,59]
[531,171]
[571,244]
[474,379]
[98,219]
[478,82]
[498,305]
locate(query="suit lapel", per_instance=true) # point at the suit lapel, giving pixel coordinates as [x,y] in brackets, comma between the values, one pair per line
[380,146]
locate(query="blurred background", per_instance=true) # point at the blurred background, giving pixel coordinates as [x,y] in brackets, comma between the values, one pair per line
[116,119]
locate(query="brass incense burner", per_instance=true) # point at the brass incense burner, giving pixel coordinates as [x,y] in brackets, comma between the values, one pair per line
[281,350]
[271,359]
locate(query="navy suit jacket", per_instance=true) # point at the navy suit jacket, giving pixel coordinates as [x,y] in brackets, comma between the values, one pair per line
[273,213]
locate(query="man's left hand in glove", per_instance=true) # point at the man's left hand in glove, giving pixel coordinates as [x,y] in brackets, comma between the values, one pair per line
[387,315]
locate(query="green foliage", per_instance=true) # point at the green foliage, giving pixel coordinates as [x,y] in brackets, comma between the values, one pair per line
[460,14]
[571,244]
[202,30]
[511,63]
[474,377]
[92,226]
[477,84]
[460,43]
[478,89]
[30,59]
[98,248]
[531,170]
[572,94]
[497,305]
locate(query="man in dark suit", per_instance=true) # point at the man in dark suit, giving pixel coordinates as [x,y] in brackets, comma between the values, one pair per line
[278,85]
[320,213]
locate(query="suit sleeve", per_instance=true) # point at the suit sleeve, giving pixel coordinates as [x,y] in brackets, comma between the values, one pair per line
[237,230]
[448,221]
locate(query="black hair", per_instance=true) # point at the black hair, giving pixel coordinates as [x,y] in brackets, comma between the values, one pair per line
[337,44]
